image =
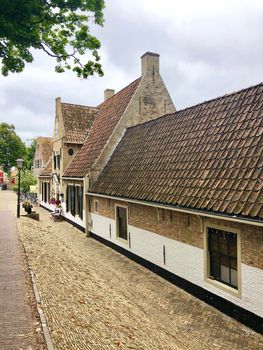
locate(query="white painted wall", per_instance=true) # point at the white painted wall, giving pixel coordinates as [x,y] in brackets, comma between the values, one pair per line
[74,219]
[183,260]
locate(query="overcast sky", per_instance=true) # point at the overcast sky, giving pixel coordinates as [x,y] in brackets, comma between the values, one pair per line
[207,49]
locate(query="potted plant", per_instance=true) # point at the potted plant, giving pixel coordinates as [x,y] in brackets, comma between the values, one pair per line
[27,206]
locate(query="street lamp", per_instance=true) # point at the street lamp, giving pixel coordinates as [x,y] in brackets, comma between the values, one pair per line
[19,163]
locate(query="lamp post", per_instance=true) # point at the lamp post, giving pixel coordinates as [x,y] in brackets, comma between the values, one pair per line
[19,163]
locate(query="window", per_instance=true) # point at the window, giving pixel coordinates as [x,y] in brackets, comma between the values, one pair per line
[45,192]
[71,152]
[96,206]
[121,221]
[74,200]
[80,198]
[223,257]
[57,161]
[38,163]
[67,198]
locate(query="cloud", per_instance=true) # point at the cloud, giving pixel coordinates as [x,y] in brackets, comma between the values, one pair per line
[207,49]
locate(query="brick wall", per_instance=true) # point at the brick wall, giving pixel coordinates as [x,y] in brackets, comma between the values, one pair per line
[150,101]
[186,228]
[149,231]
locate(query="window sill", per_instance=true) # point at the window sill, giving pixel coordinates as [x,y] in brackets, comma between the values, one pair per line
[224,287]
[122,240]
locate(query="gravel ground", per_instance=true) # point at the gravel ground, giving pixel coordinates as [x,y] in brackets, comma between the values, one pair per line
[95,298]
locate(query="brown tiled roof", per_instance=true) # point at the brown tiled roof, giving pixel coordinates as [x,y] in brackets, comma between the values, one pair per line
[77,121]
[48,168]
[208,157]
[46,148]
[107,117]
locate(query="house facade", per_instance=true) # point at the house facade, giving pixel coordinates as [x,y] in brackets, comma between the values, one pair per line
[42,154]
[144,99]
[71,127]
[183,195]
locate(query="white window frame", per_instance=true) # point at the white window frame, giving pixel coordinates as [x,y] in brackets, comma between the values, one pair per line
[220,285]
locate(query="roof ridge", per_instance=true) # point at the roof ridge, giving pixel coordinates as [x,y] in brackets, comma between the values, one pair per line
[74,104]
[196,105]
[119,91]
[219,97]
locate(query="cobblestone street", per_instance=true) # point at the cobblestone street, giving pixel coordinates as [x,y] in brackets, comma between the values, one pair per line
[95,298]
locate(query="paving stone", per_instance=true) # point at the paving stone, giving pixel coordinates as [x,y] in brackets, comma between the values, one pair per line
[17,307]
[95,298]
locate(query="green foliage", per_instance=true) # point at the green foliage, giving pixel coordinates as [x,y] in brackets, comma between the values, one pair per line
[27,180]
[30,153]
[58,27]
[11,147]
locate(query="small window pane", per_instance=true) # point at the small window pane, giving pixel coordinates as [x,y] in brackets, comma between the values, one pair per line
[225,260]
[213,240]
[233,263]
[225,274]
[214,265]
[223,243]
[233,246]
[234,278]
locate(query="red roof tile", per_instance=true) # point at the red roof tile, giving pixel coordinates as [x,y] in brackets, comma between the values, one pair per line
[48,169]
[45,145]
[77,121]
[107,117]
[207,157]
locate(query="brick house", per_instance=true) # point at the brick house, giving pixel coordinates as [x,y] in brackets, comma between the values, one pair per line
[45,185]
[183,195]
[144,99]
[42,154]
[71,127]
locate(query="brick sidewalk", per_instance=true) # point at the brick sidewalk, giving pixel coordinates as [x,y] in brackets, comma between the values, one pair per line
[18,323]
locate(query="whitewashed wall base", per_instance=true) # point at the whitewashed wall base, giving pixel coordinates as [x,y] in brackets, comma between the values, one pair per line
[182,260]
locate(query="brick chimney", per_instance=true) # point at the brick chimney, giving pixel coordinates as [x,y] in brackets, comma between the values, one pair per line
[150,63]
[108,93]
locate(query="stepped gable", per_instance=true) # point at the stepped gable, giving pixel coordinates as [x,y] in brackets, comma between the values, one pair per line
[48,169]
[206,157]
[77,121]
[108,115]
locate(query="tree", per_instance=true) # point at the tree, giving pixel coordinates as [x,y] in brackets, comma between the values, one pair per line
[27,180]
[57,27]
[11,147]
[30,153]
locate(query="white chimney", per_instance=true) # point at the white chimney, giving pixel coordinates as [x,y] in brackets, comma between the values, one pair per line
[150,63]
[108,93]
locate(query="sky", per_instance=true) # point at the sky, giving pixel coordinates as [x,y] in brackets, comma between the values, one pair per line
[207,49]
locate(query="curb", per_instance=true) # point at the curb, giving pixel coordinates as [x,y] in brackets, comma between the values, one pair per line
[42,316]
